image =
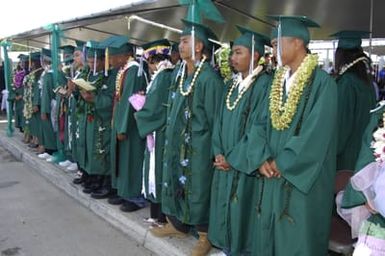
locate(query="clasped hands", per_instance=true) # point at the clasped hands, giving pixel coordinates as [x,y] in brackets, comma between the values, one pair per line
[269,169]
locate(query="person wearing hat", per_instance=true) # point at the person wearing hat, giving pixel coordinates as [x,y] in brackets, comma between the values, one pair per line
[232,189]
[48,136]
[187,169]
[95,125]
[127,148]
[61,106]
[118,52]
[297,158]
[32,99]
[79,69]
[356,95]
[175,56]
[16,95]
[151,121]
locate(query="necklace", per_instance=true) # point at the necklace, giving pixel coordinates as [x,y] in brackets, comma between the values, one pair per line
[119,78]
[282,113]
[351,64]
[247,81]
[196,73]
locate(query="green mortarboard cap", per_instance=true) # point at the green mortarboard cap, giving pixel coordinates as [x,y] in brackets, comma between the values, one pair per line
[246,40]
[35,56]
[22,56]
[202,32]
[94,47]
[293,26]
[79,45]
[68,51]
[350,39]
[117,45]
[46,52]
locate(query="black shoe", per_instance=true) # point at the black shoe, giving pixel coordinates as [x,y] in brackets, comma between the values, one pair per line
[92,188]
[115,200]
[129,207]
[101,193]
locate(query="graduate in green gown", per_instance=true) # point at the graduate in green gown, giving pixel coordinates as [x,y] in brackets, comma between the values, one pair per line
[298,162]
[98,112]
[188,167]
[117,52]
[127,147]
[48,103]
[233,190]
[370,228]
[31,98]
[75,71]
[356,96]
[16,95]
[151,121]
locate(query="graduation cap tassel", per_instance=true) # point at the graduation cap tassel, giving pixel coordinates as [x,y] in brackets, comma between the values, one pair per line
[95,56]
[213,57]
[106,62]
[193,43]
[140,69]
[84,54]
[279,45]
[251,68]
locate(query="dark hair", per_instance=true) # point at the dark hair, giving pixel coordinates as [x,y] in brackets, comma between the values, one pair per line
[362,69]
[156,58]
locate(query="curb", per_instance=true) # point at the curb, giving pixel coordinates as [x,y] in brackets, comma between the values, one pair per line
[131,224]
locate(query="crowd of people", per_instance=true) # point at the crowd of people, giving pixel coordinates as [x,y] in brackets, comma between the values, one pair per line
[247,162]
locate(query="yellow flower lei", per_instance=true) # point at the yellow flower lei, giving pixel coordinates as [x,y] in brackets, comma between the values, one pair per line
[196,73]
[119,78]
[282,114]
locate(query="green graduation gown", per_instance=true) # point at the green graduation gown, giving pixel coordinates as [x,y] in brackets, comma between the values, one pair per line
[152,120]
[47,98]
[293,212]
[234,193]
[188,163]
[355,99]
[98,127]
[35,123]
[127,155]
[61,109]
[351,197]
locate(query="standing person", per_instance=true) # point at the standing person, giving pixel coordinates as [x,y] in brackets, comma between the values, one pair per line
[48,135]
[188,170]
[32,99]
[232,189]
[76,70]
[297,163]
[119,51]
[18,91]
[356,96]
[98,112]
[151,122]
[127,147]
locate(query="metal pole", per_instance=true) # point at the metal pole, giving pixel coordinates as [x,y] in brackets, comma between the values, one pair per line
[7,78]
[371,28]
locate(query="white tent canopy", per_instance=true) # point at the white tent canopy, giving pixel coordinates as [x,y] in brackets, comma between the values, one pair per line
[330,14]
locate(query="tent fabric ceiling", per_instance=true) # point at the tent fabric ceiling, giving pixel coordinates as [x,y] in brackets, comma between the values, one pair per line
[332,15]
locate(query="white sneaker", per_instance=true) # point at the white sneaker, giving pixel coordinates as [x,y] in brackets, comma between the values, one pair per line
[50,159]
[65,163]
[43,156]
[72,167]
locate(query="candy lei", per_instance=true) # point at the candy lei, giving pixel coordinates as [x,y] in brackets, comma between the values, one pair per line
[196,73]
[120,77]
[351,64]
[248,81]
[282,114]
